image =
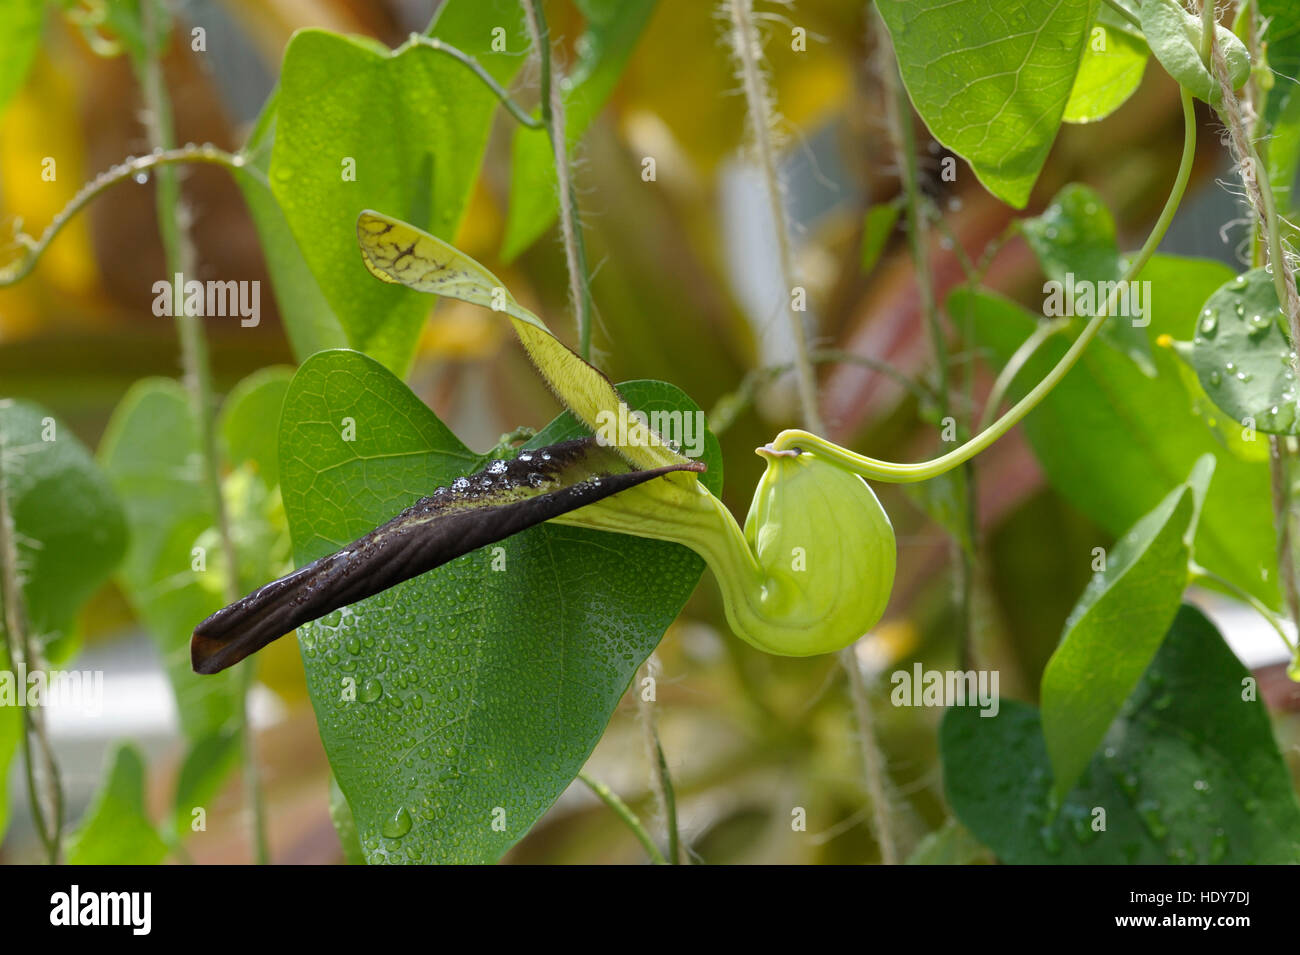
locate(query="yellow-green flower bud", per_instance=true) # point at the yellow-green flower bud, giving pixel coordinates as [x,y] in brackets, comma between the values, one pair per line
[826,551]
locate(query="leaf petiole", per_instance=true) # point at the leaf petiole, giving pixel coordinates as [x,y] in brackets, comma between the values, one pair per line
[1199,574]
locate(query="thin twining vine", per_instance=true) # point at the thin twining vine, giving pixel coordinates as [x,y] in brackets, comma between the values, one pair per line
[894,473]
[626,815]
[44,794]
[137,167]
[134,167]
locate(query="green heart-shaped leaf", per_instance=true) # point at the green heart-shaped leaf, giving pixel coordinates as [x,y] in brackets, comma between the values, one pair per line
[455,707]
[1243,357]
[69,526]
[150,451]
[116,829]
[359,125]
[1189,773]
[1117,626]
[1114,60]
[991,80]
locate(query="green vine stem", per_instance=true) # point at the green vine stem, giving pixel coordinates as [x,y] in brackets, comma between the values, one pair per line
[1015,364]
[898,112]
[33,248]
[625,813]
[520,115]
[1208,23]
[552,104]
[45,794]
[910,473]
[1201,575]
[180,256]
[1124,12]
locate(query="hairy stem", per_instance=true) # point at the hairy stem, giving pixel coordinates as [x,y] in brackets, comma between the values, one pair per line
[34,248]
[181,259]
[625,813]
[1259,193]
[873,760]
[660,780]
[575,247]
[748,51]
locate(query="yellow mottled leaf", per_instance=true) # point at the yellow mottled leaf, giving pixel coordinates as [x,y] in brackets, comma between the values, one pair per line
[397,252]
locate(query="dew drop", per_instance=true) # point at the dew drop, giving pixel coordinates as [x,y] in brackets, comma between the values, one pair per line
[1209,321]
[1149,811]
[371,690]
[397,825]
